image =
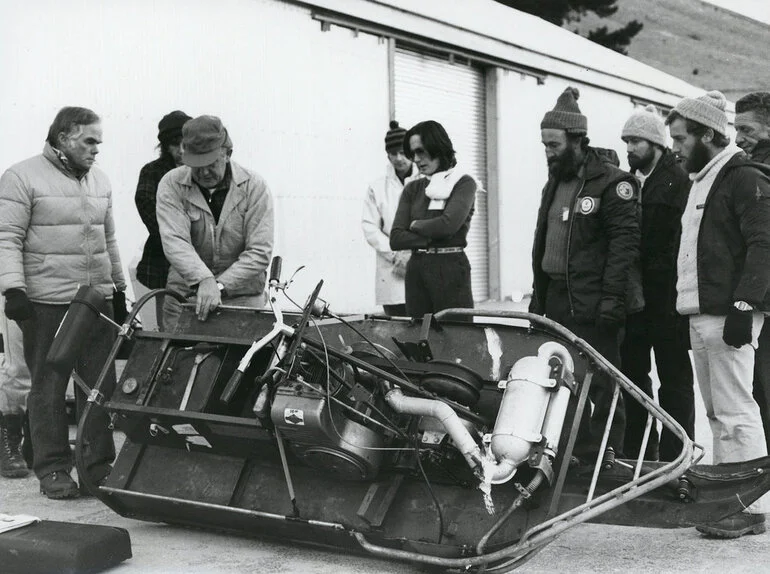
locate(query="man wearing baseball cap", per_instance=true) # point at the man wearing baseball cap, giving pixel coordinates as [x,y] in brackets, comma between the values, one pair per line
[722,285]
[658,327]
[586,248]
[216,223]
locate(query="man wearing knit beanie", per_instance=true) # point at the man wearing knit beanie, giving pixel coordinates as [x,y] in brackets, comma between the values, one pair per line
[585,247]
[658,327]
[723,285]
[379,209]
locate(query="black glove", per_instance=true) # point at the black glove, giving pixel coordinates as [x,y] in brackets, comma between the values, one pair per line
[17,306]
[611,314]
[737,331]
[119,311]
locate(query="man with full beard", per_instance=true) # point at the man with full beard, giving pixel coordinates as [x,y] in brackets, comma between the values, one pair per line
[585,248]
[658,327]
[722,285]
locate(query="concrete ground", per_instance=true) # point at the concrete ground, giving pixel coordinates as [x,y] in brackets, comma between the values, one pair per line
[161,549]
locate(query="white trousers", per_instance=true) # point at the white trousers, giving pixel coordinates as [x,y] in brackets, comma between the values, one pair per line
[725,377]
[14,375]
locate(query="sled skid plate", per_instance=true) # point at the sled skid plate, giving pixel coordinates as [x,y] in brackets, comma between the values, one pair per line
[722,490]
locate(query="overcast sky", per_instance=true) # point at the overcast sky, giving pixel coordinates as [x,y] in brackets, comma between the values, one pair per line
[757,9]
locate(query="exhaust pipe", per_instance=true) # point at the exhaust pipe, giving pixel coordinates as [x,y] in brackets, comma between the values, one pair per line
[443,413]
[529,412]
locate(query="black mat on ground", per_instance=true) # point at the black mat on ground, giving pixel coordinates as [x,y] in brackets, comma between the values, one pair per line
[49,547]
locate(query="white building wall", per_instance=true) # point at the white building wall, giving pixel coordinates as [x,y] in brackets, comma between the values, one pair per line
[306,109]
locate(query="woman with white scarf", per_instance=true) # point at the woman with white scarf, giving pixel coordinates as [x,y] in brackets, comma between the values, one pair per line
[433,218]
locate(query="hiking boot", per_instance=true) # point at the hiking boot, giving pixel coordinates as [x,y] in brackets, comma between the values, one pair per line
[734,526]
[12,464]
[58,485]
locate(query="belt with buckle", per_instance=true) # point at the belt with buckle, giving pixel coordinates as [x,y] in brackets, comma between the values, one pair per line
[437,250]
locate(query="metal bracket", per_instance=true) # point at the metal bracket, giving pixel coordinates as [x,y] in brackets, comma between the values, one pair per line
[420,351]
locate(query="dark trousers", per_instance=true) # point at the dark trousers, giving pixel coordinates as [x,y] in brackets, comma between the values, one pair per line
[398,310]
[607,343]
[437,281]
[762,378]
[46,401]
[671,345]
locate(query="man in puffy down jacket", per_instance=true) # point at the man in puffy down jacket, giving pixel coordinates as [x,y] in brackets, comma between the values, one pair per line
[56,233]
[216,223]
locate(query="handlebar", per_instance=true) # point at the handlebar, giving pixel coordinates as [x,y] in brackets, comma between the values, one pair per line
[275,270]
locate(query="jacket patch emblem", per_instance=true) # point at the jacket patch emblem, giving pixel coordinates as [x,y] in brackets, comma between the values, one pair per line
[625,190]
[587,205]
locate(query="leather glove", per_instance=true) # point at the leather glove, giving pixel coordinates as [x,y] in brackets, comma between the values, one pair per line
[737,330]
[119,311]
[611,314]
[17,306]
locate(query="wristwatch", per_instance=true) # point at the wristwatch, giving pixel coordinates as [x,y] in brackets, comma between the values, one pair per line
[222,290]
[743,306]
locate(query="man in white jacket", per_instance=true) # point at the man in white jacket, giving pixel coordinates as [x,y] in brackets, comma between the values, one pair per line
[380,207]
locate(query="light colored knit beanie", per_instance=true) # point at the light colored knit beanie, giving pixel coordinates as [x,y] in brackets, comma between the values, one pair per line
[646,124]
[707,110]
[566,115]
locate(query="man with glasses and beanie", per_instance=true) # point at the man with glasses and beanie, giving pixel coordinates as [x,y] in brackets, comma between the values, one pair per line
[585,250]
[215,219]
[152,270]
[379,211]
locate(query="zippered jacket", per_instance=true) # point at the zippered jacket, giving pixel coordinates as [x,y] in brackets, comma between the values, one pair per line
[236,250]
[734,238]
[56,231]
[664,197]
[603,243]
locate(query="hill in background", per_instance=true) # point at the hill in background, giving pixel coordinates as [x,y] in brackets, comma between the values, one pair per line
[700,43]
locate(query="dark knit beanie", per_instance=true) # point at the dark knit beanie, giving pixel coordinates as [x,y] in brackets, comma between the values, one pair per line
[170,127]
[394,139]
[566,114]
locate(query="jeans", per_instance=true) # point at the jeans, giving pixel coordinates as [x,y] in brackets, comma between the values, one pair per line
[46,403]
[14,375]
[607,343]
[725,378]
[676,395]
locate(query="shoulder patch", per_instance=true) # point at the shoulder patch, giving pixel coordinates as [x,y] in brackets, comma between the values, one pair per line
[624,190]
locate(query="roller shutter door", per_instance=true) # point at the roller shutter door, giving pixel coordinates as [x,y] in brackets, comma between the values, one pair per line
[453,94]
